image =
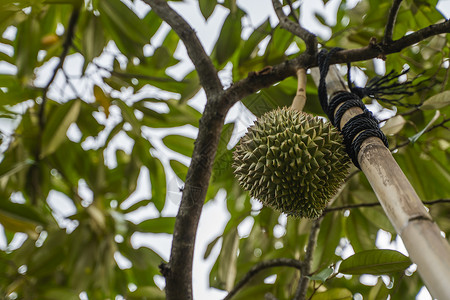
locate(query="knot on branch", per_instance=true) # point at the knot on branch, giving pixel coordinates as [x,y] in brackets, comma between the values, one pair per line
[164,268]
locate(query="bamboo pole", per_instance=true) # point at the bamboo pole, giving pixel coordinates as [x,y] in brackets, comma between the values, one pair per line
[300,97]
[422,237]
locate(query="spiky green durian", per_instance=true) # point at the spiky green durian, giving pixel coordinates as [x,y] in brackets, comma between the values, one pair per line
[291,161]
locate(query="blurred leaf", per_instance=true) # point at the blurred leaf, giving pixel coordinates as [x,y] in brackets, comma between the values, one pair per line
[251,44]
[27,46]
[181,144]
[158,181]
[20,217]
[158,225]
[375,262]
[437,101]
[179,169]
[152,22]
[137,205]
[126,20]
[379,291]
[129,116]
[335,294]
[394,125]
[147,292]
[322,275]
[329,237]
[207,7]
[102,99]
[210,247]
[93,40]
[229,38]
[61,293]
[227,264]
[55,130]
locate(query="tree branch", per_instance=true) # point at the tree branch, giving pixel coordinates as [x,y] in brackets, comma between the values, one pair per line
[66,46]
[256,81]
[302,288]
[391,21]
[178,272]
[203,64]
[295,28]
[278,262]
[373,204]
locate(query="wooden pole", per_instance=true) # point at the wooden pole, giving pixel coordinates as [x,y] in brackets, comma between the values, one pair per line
[422,237]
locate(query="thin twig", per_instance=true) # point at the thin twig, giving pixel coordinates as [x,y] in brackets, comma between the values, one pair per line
[388,32]
[278,262]
[202,62]
[70,84]
[66,47]
[295,28]
[302,288]
[374,204]
[293,11]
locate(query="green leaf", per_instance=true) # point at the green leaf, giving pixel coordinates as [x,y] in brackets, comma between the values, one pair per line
[61,293]
[179,169]
[55,130]
[27,46]
[394,125]
[147,292]
[358,231]
[207,7]
[322,275]
[126,20]
[129,116]
[375,262]
[379,291]
[334,294]
[437,101]
[321,19]
[158,225]
[144,259]
[137,205]
[227,261]
[210,247]
[229,38]
[251,44]
[93,39]
[181,144]
[7,169]
[20,217]
[330,235]
[158,181]
[152,22]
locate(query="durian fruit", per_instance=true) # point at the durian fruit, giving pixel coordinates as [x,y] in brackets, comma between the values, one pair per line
[291,161]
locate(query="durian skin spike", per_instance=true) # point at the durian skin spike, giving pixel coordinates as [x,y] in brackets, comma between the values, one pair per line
[291,162]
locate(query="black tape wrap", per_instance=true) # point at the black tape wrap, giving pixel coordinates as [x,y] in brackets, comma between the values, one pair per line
[358,128]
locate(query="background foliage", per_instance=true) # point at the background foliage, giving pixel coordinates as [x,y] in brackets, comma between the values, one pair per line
[58,148]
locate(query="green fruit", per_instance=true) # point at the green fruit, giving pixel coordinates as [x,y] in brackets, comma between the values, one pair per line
[291,161]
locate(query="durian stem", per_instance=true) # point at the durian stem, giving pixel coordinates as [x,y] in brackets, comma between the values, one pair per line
[300,98]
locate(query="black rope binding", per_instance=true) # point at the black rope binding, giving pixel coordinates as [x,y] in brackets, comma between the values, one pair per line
[358,128]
